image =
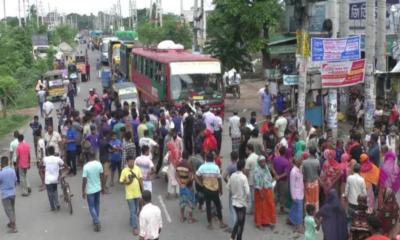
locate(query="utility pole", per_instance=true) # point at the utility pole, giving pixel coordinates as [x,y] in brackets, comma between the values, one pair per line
[19,13]
[343,32]
[134,15]
[302,7]
[381,39]
[24,12]
[4,12]
[196,18]
[332,92]
[369,94]
[37,13]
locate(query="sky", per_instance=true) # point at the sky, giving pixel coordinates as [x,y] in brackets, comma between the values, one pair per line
[93,6]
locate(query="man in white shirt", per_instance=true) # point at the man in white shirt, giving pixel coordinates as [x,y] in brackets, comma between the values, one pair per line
[355,186]
[239,189]
[150,219]
[52,165]
[251,163]
[234,131]
[147,141]
[146,166]
[281,124]
[41,94]
[53,139]
[48,108]
[210,120]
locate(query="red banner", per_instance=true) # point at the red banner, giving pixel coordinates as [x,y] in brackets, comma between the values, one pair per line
[342,74]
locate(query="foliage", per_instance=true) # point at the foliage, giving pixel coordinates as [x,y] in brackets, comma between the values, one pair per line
[63,33]
[172,29]
[237,29]
[11,123]
[8,92]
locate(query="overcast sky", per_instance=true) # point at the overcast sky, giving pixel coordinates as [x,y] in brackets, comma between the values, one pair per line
[93,6]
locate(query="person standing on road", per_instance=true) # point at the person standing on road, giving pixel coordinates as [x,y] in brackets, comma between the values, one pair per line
[234,131]
[150,219]
[184,176]
[41,95]
[209,176]
[8,179]
[240,191]
[13,154]
[52,165]
[297,194]
[48,108]
[131,177]
[226,175]
[87,66]
[311,171]
[146,166]
[266,100]
[116,156]
[71,147]
[218,130]
[92,185]
[264,202]
[36,133]
[251,163]
[244,137]
[54,139]
[71,93]
[24,164]
[281,168]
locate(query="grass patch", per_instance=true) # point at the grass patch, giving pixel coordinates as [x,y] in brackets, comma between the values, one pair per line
[12,123]
[26,99]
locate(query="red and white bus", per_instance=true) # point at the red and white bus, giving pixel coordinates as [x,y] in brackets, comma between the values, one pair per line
[175,76]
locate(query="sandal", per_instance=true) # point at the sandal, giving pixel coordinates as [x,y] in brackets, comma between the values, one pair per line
[182,219]
[223,225]
[12,230]
[210,227]
[192,220]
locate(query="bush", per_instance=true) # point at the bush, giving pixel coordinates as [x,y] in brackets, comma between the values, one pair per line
[12,123]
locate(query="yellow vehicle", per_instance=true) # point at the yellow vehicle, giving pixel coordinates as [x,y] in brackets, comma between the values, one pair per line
[54,81]
[116,59]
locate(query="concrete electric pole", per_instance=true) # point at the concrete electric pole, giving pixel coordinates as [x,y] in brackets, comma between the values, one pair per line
[343,32]
[302,8]
[381,36]
[369,94]
[19,13]
[332,93]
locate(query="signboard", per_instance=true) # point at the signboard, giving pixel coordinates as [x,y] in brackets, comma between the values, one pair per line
[212,67]
[342,74]
[290,80]
[335,49]
[357,13]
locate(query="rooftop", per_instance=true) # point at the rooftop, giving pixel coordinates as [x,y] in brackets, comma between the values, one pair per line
[171,55]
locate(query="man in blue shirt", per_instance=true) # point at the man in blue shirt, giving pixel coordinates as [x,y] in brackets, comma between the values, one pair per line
[8,180]
[116,156]
[71,147]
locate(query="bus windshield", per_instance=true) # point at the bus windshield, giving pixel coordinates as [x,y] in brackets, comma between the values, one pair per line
[116,52]
[196,86]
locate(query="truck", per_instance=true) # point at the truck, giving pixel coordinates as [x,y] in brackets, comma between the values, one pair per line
[40,46]
[104,49]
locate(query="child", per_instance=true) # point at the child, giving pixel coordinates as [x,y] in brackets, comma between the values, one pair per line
[310,223]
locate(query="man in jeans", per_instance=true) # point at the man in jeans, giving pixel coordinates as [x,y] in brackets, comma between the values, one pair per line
[92,185]
[52,165]
[131,177]
[209,176]
[36,133]
[8,180]
[24,164]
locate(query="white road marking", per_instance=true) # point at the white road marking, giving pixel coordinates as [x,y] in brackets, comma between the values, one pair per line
[164,208]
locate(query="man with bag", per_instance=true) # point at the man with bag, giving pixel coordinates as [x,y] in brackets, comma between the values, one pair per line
[131,177]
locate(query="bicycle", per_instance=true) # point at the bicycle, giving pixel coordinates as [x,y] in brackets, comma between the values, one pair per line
[66,194]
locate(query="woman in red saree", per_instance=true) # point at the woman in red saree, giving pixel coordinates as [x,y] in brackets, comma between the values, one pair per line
[173,156]
[331,172]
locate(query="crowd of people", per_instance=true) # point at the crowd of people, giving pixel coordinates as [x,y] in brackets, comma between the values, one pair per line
[349,187]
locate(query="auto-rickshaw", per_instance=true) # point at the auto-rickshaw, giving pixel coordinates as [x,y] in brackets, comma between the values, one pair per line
[232,82]
[81,65]
[126,92]
[54,81]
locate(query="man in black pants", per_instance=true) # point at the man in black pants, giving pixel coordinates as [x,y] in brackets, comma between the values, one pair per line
[239,188]
[209,176]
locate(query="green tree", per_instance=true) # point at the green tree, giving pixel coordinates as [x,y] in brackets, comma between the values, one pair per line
[172,29]
[8,92]
[238,28]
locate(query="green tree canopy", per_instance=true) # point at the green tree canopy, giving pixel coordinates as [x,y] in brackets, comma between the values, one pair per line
[8,91]
[238,28]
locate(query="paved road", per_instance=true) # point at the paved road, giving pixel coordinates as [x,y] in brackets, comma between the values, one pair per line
[36,221]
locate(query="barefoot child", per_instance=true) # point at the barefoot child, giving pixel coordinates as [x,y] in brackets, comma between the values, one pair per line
[310,224]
